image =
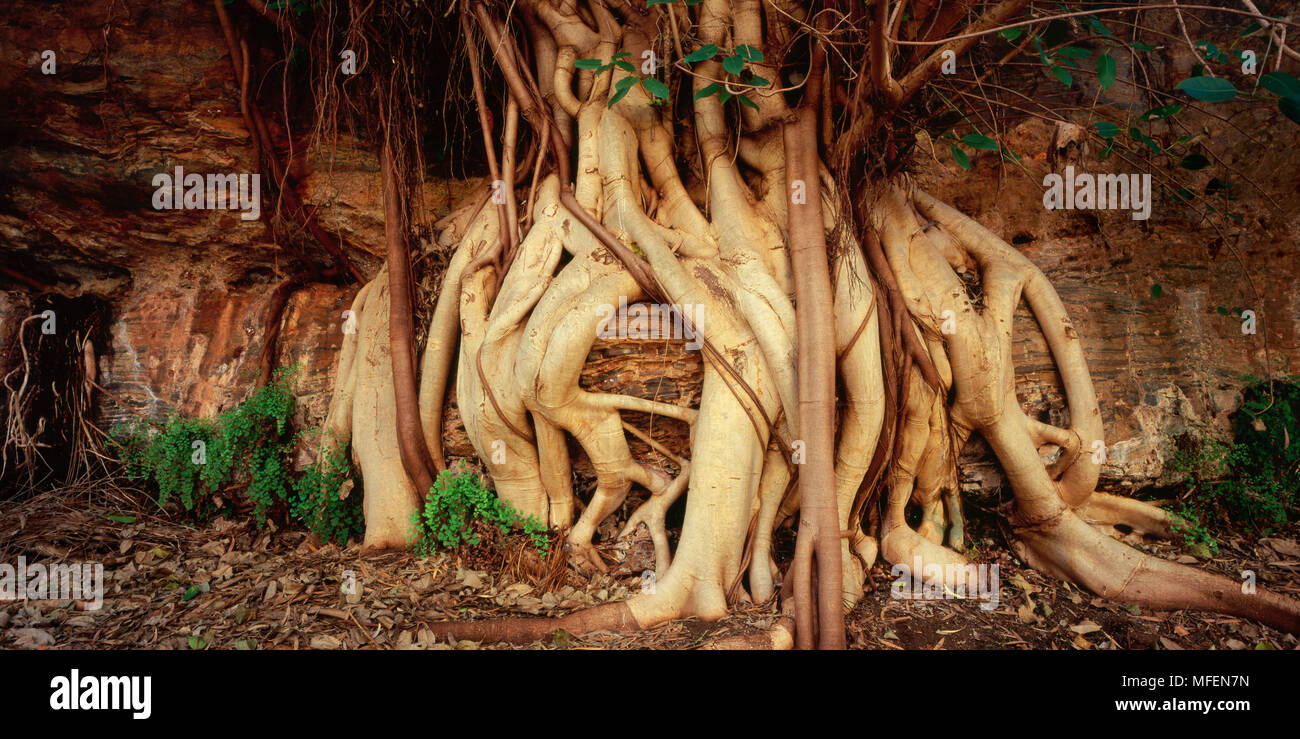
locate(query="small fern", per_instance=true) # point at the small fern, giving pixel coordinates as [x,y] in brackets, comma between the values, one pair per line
[455,502]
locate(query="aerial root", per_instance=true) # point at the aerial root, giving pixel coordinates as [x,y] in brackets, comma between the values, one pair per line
[607,617]
[779,637]
[1072,549]
[1137,516]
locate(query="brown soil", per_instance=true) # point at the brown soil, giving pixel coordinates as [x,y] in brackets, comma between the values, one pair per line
[228,585]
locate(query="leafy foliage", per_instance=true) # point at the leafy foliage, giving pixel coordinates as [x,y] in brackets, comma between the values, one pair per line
[456,502]
[324,498]
[1253,480]
[194,460]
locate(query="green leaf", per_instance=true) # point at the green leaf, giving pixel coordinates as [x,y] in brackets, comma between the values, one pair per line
[1011,34]
[1106,129]
[1073,52]
[1212,51]
[1137,135]
[588,64]
[191,593]
[620,91]
[1098,27]
[977,141]
[122,519]
[1139,46]
[1062,75]
[656,88]
[724,96]
[734,64]
[1217,186]
[708,51]
[1184,194]
[961,157]
[1160,113]
[1208,89]
[759,81]
[652,3]
[1221,311]
[747,101]
[1281,84]
[624,65]
[195,642]
[1194,162]
[1156,290]
[1290,106]
[707,90]
[749,53]
[1106,71]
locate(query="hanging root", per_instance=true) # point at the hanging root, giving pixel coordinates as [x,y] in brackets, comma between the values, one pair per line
[722,244]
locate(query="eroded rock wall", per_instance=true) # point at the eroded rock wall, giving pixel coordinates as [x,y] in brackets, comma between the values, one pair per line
[142,89]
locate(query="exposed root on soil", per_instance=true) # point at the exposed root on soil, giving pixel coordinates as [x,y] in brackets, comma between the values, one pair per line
[920,364]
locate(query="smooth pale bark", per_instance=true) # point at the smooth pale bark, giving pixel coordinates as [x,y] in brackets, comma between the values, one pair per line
[723,234]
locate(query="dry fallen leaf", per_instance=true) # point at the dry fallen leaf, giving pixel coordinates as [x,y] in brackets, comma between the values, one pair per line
[1283,546]
[1085,627]
[31,638]
[1170,644]
[1026,613]
[325,641]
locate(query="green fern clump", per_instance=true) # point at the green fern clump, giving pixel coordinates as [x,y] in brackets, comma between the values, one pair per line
[455,502]
[1253,480]
[324,500]
[192,459]
[172,455]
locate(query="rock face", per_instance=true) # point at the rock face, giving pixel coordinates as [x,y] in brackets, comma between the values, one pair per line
[140,90]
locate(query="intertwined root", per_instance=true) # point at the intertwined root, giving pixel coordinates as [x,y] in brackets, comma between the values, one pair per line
[518,327]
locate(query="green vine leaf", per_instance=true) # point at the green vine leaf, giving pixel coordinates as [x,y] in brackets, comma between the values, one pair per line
[978,141]
[1290,107]
[1281,84]
[707,90]
[960,157]
[657,89]
[1073,52]
[621,88]
[1106,129]
[708,51]
[749,54]
[1106,71]
[1208,89]
[1160,113]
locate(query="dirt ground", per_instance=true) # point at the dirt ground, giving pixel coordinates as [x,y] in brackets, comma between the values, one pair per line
[229,585]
